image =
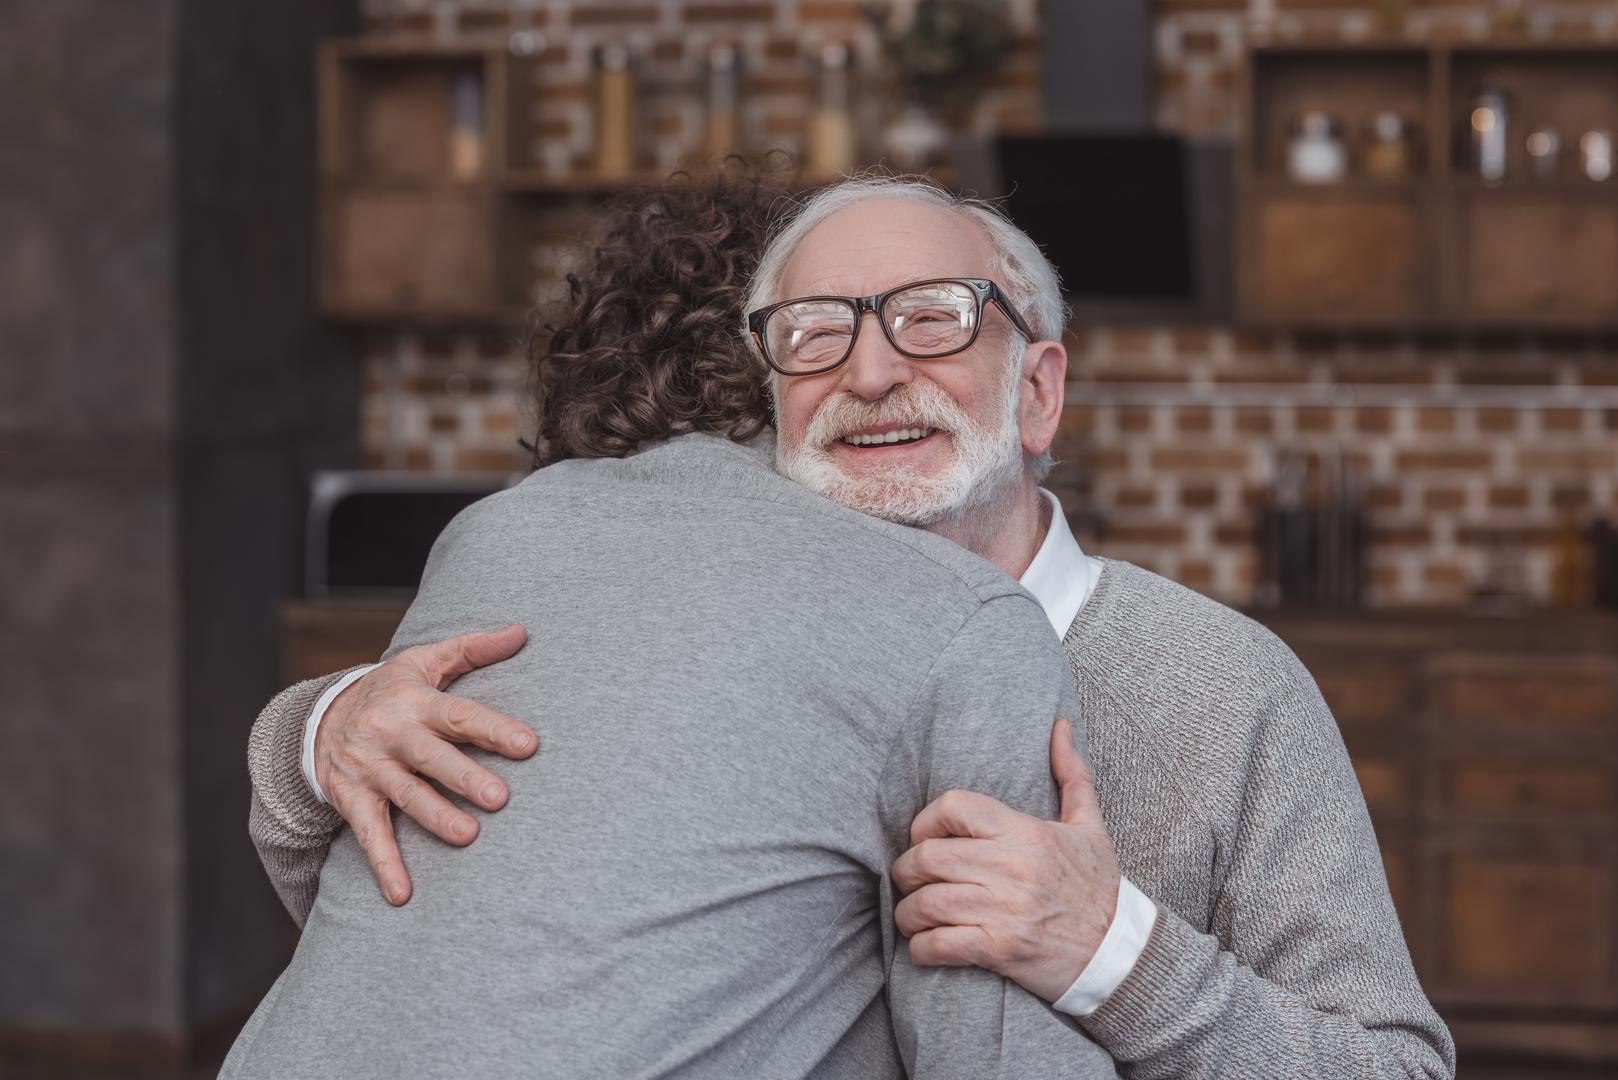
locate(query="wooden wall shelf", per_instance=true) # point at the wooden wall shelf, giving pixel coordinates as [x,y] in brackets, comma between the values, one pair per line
[1437,249]
[432,211]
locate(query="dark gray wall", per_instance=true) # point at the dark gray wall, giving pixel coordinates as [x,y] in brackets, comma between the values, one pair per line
[264,392]
[1099,64]
[90,841]
[164,389]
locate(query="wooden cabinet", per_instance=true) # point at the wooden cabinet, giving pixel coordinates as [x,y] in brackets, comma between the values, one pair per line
[1360,254]
[1436,246]
[1525,258]
[431,205]
[1487,751]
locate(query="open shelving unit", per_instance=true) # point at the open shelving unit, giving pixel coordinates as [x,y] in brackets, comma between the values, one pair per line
[432,210]
[1439,248]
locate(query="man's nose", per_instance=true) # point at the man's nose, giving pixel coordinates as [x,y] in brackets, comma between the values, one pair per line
[875,366]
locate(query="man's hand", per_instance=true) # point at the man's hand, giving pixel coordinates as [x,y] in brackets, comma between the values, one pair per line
[395,722]
[993,888]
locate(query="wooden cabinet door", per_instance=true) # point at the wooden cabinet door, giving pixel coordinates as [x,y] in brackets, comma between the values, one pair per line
[1343,256]
[1527,918]
[1538,261]
[412,251]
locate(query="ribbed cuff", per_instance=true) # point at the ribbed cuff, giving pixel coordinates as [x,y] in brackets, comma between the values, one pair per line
[275,761]
[1154,1001]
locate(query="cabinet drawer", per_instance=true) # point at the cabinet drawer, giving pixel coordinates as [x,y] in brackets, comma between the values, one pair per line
[1528,696]
[1540,260]
[1473,787]
[1324,256]
[1527,923]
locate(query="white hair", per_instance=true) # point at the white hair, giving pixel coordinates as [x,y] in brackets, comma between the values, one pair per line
[1029,279]
[1020,268]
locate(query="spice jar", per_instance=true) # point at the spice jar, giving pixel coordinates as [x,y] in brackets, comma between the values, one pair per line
[1316,153]
[1389,147]
[832,150]
[1491,111]
[722,132]
[615,112]
[1544,154]
[1595,154]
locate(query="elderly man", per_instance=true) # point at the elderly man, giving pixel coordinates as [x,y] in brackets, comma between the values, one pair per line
[1216,905]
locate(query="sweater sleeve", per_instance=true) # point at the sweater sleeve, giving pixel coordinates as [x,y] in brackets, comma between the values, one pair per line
[1306,972]
[983,724]
[290,827]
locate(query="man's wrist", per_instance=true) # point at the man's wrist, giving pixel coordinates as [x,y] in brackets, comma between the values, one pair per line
[312,725]
[1116,956]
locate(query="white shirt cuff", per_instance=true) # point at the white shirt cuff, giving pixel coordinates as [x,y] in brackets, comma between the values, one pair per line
[313,724]
[1125,940]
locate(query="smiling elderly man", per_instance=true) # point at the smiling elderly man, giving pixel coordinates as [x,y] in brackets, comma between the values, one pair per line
[1215,905]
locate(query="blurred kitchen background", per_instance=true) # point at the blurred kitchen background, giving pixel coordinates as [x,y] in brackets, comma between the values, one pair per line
[1344,356]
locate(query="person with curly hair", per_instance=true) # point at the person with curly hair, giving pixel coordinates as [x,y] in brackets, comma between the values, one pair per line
[646,346]
[748,694]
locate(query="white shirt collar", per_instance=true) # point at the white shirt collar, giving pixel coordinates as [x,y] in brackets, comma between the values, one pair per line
[1062,576]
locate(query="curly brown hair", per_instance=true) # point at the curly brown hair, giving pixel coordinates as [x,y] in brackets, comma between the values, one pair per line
[647,344]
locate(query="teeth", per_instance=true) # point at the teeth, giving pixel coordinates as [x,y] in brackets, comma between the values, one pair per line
[902,435]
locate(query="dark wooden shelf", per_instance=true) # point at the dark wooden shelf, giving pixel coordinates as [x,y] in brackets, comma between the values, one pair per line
[534,182]
[423,317]
[1559,187]
[1351,185]
[1441,251]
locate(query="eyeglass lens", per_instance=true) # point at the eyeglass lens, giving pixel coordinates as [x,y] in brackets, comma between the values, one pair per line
[925,320]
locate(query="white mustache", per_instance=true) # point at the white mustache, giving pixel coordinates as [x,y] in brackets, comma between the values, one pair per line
[915,405]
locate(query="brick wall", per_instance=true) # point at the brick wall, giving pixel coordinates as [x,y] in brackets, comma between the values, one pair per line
[1480,454]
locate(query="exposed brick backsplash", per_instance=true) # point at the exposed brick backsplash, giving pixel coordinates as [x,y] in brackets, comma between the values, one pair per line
[1479,454]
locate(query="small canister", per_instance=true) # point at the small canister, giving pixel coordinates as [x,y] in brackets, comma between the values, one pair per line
[1389,147]
[1490,114]
[1316,153]
[1595,154]
[1544,154]
[615,149]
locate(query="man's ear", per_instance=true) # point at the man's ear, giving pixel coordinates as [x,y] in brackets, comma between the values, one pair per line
[1044,386]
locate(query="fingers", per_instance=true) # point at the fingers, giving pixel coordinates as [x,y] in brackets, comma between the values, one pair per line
[467,721]
[448,660]
[964,813]
[1079,804]
[945,904]
[949,946]
[373,828]
[424,805]
[456,771]
[978,862]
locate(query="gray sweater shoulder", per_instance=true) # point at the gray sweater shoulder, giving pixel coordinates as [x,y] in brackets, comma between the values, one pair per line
[1216,695]
[1182,645]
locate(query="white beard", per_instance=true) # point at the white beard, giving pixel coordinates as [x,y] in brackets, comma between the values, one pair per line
[987,461]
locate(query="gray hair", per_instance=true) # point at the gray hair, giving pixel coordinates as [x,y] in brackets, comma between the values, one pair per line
[1020,268]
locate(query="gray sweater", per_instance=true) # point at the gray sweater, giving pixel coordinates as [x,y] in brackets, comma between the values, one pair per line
[746,693]
[1230,799]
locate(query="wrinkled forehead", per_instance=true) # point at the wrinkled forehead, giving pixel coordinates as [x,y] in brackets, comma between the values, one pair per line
[878,243]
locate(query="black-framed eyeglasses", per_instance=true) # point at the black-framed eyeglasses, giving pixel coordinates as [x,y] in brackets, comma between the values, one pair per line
[809,335]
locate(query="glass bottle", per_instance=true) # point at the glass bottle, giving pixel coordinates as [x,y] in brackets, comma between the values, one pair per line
[615,112]
[831,149]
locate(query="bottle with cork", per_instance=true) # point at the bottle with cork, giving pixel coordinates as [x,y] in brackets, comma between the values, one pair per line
[832,145]
[615,144]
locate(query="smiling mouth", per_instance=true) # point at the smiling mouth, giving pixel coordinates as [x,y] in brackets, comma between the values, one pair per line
[901,437]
